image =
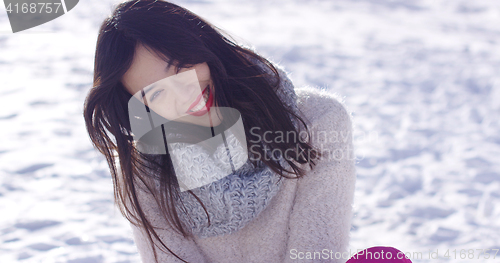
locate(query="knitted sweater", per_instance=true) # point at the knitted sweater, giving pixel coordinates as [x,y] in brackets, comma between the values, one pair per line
[309,214]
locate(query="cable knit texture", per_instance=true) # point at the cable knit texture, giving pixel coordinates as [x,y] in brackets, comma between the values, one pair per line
[309,214]
[234,200]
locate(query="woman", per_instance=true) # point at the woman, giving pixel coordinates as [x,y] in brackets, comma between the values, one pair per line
[205,172]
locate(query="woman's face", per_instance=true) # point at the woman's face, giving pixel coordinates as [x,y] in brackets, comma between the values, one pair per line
[183,95]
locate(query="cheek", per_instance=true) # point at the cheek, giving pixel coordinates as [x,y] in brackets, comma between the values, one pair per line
[202,72]
[165,107]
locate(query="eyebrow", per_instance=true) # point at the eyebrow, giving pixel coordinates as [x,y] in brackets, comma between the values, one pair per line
[144,91]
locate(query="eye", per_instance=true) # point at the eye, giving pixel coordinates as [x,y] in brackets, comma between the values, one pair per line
[155,95]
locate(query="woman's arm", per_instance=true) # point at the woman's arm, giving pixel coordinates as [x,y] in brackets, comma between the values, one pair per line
[184,248]
[321,217]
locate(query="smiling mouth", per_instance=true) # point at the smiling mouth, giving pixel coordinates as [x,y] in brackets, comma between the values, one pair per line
[202,103]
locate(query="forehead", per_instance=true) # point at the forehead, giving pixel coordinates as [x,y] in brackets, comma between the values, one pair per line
[146,68]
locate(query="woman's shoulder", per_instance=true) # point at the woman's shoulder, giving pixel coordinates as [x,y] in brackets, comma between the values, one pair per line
[318,104]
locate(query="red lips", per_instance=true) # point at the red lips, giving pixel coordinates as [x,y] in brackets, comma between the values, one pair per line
[205,108]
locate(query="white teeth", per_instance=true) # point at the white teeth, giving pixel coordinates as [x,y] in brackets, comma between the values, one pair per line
[199,107]
[202,103]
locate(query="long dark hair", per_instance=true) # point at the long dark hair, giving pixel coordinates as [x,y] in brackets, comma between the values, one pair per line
[176,34]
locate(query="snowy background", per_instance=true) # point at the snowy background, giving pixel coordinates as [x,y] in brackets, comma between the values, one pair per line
[422,79]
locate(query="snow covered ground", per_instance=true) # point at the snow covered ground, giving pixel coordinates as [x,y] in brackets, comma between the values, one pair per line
[422,78]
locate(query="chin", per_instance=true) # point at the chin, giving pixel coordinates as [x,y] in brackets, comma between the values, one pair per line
[215,121]
[205,120]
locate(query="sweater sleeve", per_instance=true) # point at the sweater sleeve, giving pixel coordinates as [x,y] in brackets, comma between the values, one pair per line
[183,247]
[321,217]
